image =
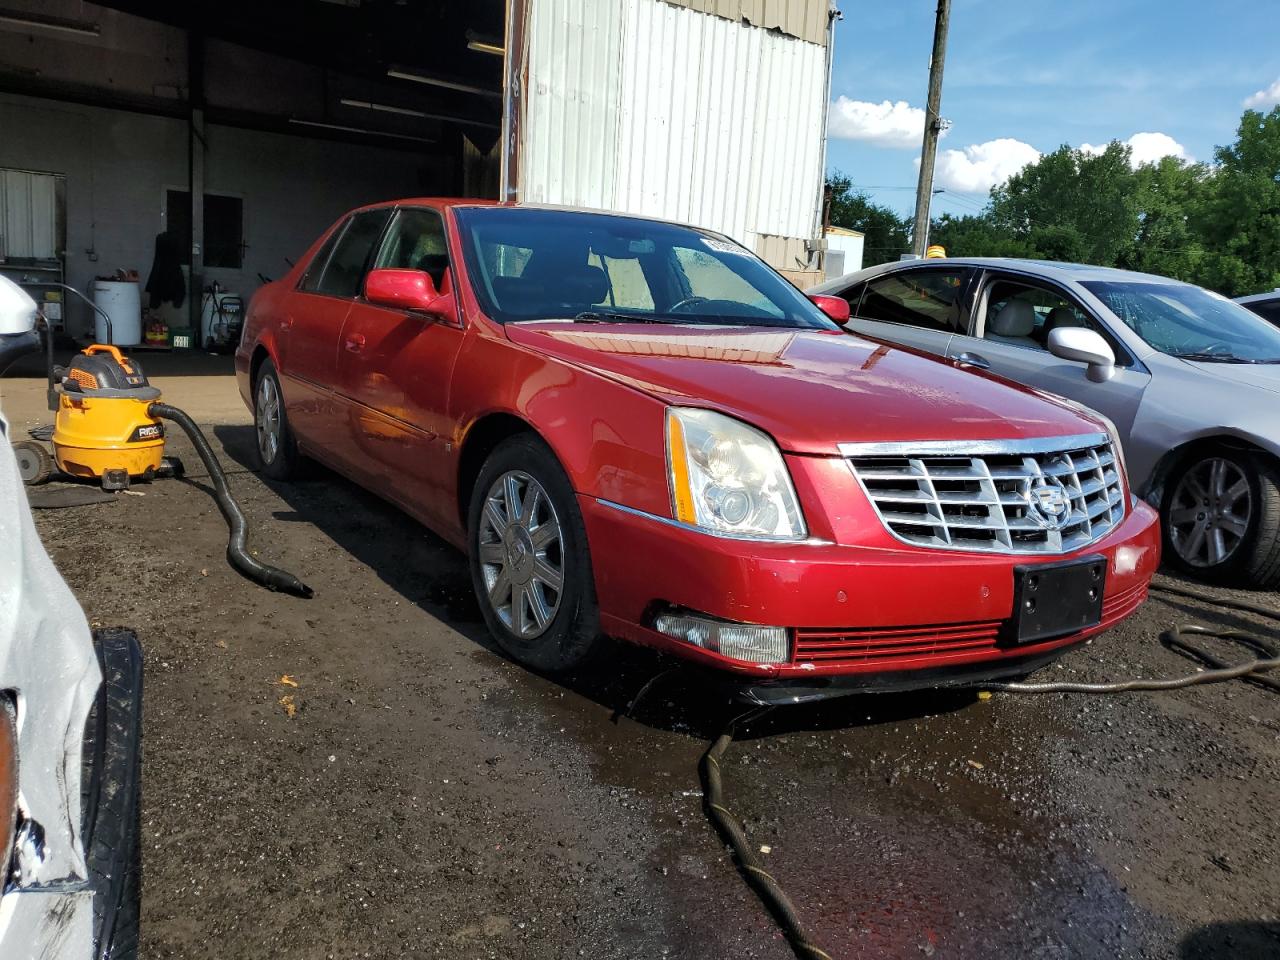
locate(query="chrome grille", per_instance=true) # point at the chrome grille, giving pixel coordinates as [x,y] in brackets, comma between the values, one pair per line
[994,496]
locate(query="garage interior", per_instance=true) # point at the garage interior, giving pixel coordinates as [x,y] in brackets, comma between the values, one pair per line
[251,126]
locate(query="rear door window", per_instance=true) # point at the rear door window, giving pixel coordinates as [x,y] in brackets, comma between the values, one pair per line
[344,273]
[929,299]
[311,279]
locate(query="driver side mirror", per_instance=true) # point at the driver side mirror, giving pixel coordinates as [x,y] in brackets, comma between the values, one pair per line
[837,308]
[1082,345]
[409,290]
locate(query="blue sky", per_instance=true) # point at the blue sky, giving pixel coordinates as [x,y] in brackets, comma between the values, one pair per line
[1029,75]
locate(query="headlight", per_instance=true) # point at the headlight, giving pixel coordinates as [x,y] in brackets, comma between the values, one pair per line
[729,478]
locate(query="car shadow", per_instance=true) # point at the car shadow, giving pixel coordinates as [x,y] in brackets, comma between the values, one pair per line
[1236,940]
[431,574]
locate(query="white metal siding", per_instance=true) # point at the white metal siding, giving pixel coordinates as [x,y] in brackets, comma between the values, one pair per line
[649,108]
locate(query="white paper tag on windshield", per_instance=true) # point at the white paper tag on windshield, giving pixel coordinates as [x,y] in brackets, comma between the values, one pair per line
[723,246]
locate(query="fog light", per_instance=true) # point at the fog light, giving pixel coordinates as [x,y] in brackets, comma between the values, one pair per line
[740,641]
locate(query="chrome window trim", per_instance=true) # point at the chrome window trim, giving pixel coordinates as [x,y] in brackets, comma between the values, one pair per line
[975,448]
[719,535]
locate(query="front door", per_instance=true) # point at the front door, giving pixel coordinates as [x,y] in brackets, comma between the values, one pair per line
[394,368]
[1012,322]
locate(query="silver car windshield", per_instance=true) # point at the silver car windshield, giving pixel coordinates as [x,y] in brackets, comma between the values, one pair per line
[1190,322]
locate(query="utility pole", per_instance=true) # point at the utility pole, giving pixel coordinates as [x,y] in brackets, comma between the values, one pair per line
[932,127]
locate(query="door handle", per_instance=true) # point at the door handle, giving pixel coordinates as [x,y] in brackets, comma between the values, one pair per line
[355,342]
[974,360]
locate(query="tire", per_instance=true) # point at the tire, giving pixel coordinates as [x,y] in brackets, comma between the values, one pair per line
[276,445]
[35,464]
[110,793]
[1224,530]
[548,538]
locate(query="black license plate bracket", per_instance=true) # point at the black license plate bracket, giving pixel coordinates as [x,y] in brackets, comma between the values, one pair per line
[1055,599]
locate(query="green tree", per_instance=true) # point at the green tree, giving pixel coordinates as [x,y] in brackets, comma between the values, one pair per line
[1072,201]
[1238,217]
[976,235]
[886,235]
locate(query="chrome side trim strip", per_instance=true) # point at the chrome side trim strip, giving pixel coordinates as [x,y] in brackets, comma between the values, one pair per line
[975,448]
[669,522]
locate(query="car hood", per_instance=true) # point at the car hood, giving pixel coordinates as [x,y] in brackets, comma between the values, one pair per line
[1263,375]
[810,390]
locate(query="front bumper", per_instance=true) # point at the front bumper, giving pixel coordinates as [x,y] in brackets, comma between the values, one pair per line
[871,615]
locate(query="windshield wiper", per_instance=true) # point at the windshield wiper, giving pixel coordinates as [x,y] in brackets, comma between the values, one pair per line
[1225,358]
[604,316]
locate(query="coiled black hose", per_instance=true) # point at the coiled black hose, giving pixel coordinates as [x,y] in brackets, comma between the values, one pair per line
[1176,637]
[273,578]
[763,882]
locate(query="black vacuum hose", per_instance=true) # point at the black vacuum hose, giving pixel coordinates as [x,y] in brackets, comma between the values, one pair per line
[730,829]
[273,578]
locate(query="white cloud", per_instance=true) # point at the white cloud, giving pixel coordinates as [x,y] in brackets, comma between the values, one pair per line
[1145,148]
[885,124]
[1264,99]
[978,168]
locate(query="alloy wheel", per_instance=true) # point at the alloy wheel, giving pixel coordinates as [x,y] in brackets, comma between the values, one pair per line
[1210,512]
[521,554]
[267,419]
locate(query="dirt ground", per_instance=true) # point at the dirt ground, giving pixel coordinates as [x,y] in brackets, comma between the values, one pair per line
[428,798]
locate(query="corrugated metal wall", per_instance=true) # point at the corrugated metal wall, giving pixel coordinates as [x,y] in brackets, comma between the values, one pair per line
[641,106]
[806,19]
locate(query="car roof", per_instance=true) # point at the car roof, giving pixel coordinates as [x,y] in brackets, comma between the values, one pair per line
[1260,297]
[1051,269]
[446,202]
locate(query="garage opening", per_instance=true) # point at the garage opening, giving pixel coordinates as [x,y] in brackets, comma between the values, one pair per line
[240,129]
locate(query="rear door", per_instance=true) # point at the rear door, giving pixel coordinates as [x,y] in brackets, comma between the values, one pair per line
[312,322]
[1009,336]
[920,307]
[394,368]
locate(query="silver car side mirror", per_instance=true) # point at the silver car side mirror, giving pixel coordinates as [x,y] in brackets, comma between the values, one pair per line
[1084,346]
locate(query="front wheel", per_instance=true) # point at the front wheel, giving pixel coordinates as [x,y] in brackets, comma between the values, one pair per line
[1221,518]
[530,565]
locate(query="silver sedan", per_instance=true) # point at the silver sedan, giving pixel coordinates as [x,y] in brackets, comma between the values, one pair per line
[1191,380]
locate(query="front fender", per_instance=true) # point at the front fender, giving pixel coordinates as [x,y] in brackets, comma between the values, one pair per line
[609,437]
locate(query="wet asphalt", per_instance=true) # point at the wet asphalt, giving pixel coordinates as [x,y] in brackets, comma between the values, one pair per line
[364,775]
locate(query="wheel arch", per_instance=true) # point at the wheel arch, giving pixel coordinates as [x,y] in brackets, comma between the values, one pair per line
[1174,459]
[481,439]
[259,356]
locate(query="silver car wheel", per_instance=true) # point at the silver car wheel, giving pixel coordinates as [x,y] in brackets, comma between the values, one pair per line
[521,555]
[1210,512]
[267,419]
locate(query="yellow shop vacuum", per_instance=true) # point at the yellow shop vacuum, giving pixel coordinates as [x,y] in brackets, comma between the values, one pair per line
[104,428]
[109,427]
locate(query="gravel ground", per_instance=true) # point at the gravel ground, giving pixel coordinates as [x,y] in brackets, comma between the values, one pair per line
[421,796]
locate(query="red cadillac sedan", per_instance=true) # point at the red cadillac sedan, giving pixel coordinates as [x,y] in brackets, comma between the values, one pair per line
[638,429]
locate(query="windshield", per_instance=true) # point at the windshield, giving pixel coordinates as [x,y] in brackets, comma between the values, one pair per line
[530,264]
[1190,322]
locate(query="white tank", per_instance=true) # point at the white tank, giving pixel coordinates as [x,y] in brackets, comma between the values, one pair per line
[122,302]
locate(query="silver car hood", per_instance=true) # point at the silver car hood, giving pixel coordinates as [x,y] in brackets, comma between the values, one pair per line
[1263,375]
[47,662]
